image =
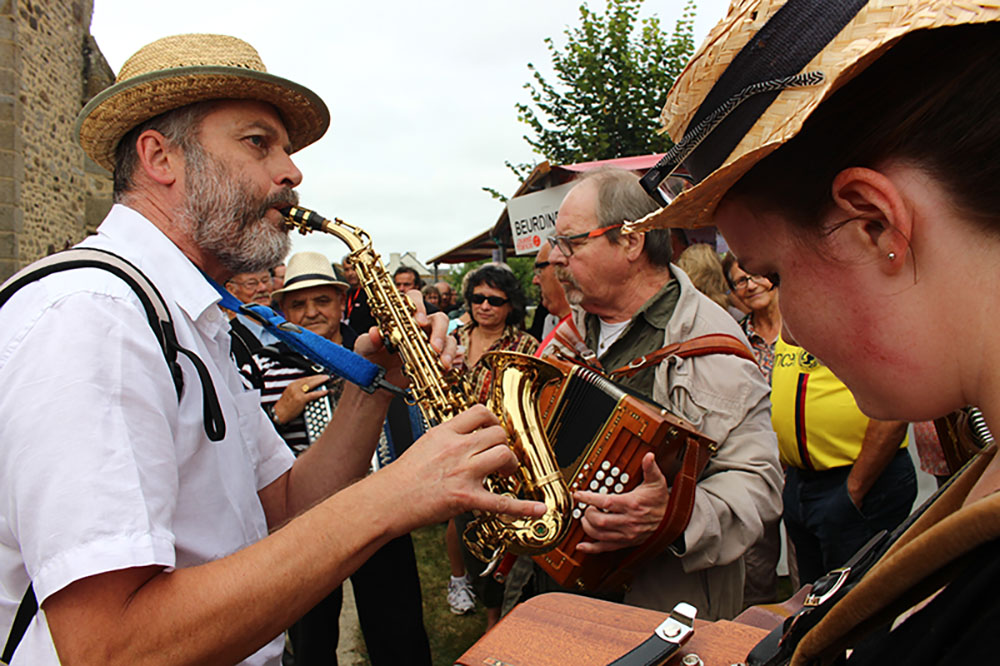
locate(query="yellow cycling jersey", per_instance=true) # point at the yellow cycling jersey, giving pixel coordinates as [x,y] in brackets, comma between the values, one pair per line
[818,423]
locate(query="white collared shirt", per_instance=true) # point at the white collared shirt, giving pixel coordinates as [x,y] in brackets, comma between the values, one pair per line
[101,467]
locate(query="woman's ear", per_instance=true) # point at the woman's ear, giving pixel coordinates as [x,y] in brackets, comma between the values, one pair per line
[877,212]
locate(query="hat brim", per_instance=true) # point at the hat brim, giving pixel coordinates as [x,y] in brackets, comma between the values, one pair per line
[119,108]
[874,30]
[306,284]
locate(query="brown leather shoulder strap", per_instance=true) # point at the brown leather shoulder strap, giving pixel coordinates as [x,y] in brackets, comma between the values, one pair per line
[714,343]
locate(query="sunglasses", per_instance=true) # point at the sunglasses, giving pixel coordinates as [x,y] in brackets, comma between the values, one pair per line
[495,301]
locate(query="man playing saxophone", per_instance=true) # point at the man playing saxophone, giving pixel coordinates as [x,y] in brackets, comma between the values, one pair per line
[628,301]
[144,538]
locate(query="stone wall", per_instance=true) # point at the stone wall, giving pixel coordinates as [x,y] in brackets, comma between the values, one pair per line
[51,194]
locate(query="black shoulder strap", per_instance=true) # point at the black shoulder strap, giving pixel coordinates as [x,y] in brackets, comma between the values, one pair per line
[156,312]
[163,328]
[26,611]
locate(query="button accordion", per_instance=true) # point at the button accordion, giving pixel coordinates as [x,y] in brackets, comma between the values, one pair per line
[599,432]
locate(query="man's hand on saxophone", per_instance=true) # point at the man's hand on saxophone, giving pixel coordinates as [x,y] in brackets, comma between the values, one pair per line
[435,325]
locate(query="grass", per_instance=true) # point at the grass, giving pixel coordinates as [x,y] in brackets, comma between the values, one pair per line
[449,635]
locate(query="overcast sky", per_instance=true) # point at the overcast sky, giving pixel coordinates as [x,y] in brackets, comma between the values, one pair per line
[421,96]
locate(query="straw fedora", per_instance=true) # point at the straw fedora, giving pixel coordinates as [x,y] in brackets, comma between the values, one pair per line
[761,72]
[309,269]
[175,71]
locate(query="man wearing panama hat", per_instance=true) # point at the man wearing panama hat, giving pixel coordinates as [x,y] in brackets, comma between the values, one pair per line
[144,537]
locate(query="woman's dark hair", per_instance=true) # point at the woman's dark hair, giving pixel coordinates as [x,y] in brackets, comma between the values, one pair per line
[504,280]
[931,100]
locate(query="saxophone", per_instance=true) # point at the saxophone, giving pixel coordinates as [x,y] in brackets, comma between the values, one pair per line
[442,394]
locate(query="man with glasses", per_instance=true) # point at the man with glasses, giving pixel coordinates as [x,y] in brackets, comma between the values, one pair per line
[628,302]
[553,296]
[252,288]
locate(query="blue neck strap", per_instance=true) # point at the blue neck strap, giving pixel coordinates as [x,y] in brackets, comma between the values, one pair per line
[332,357]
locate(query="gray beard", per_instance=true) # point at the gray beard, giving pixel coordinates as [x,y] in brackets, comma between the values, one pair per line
[227,219]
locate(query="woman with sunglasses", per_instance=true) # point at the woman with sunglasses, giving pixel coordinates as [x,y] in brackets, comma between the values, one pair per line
[496,305]
[852,148]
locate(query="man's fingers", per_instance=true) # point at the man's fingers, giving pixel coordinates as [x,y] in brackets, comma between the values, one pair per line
[510,506]
[595,547]
[601,501]
[472,419]
[651,471]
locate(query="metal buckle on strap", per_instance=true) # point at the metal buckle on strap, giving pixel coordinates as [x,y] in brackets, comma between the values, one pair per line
[826,587]
[679,626]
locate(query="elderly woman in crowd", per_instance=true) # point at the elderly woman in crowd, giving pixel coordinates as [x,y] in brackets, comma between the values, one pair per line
[763,324]
[496,303]
[863,171]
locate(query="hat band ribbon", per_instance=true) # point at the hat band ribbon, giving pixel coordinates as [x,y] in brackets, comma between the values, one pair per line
[770,62]
[309,276]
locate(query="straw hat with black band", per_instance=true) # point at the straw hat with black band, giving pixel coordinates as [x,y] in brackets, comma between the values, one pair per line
[760,73]
[176,71]
[309,269]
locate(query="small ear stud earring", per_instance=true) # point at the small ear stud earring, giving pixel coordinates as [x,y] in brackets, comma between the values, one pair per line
[892,256]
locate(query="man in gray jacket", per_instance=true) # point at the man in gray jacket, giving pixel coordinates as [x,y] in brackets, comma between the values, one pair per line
[629,301]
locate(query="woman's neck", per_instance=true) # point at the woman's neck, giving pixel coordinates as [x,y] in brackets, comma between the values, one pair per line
[767,322]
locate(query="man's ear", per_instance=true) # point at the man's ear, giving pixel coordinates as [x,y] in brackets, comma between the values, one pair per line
[634,244]
[158,158]
[877,214]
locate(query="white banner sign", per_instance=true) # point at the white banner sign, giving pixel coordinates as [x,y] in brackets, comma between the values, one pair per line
[533,217]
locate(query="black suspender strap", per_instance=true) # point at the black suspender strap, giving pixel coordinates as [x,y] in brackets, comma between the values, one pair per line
[25,611]
[156,312]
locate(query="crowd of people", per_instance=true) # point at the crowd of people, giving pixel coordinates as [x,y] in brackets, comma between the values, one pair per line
[182,485]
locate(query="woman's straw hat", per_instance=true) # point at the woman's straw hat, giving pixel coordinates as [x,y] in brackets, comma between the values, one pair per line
[309,269]
[175,71]
[760,73]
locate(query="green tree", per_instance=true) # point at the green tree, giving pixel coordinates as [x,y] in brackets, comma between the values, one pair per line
[612,78]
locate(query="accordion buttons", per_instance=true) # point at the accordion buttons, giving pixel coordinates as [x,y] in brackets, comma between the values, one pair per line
[582,506]
[619,487]
[594,485]
[608,481]
[603,490]
[625,477]
[600,475]
[605,465]
[577,514]
[615,471]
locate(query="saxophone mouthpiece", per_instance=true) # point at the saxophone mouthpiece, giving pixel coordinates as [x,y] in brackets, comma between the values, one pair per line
[303,216]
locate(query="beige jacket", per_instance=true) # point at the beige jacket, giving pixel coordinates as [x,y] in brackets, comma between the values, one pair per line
[726,398]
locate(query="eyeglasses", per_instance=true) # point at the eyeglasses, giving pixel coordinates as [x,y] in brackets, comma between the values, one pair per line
[495,301]
[541,265]
[566,243]
[252,283]
[740,284]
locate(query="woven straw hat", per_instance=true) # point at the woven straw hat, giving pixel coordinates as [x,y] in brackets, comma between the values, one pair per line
[175,71]
[760,73]
[309,269]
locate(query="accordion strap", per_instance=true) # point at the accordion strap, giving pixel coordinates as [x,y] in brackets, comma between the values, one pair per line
[714,343]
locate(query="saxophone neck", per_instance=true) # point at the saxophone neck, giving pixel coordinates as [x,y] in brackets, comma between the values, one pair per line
[307,221]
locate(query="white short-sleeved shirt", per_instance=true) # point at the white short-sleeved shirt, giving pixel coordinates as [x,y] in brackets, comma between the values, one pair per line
[101,467]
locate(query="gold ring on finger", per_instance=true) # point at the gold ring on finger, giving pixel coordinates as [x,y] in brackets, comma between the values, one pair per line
[305,388]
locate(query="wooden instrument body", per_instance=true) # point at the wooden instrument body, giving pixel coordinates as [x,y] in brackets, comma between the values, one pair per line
[556,629]
[599,434]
